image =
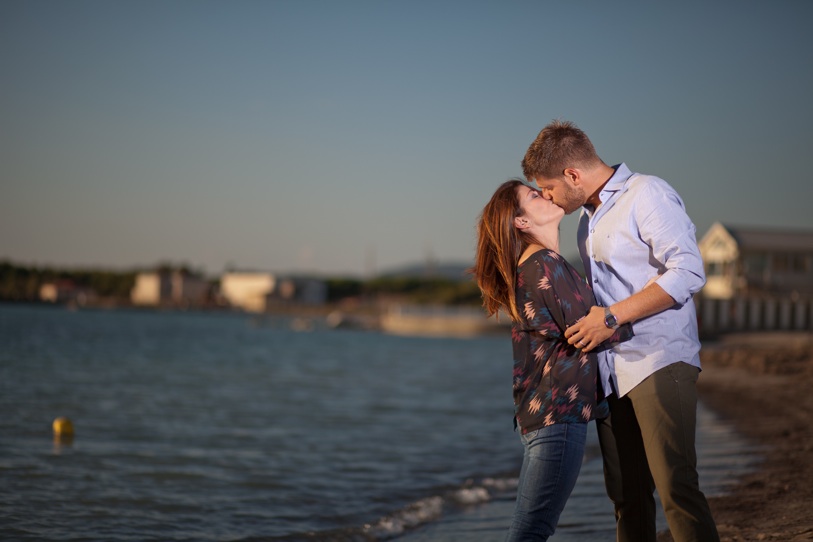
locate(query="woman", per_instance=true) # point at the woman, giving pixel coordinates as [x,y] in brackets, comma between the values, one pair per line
[519,270]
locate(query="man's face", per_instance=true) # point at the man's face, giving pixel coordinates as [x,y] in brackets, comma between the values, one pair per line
[562,193]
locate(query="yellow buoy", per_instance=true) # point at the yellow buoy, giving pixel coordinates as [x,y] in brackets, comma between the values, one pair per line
[63,427]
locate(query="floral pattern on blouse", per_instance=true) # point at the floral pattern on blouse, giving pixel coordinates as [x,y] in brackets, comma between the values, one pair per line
[554,382]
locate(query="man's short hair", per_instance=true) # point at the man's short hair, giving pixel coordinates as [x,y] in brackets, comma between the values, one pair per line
[560,144]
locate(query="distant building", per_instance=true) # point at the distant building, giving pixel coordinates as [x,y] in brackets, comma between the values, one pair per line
[260,291]
[247,290]
[748,261]
[440,321]
[149,289]
[65,291]
[301,290]
[169,288]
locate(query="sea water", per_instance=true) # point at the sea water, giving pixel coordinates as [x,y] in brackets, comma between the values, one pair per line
[218,426]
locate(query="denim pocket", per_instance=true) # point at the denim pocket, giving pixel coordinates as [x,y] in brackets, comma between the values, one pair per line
[529,436]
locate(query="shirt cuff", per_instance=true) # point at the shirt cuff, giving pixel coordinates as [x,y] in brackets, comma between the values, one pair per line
[681,285]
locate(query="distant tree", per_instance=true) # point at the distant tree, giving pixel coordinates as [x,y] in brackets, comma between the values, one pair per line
[21,283]
[343,288]
[427,290]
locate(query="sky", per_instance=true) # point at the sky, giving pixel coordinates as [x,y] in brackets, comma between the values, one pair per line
[356,137]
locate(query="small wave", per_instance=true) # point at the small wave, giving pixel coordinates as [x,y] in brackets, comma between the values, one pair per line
[430,509]
[416,514]
[474,495]
[501,485]
[413,515]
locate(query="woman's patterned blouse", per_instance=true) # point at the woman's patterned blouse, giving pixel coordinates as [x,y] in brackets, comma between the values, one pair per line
[554,382]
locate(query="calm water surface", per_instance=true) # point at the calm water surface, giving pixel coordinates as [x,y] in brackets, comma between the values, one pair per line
[195,426]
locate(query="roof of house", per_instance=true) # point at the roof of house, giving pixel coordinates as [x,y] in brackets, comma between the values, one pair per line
[771,239]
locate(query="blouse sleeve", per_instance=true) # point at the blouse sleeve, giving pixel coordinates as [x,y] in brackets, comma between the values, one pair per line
[623,333]
[555,300]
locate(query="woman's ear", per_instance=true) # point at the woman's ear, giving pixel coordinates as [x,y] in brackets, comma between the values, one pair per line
[521,223]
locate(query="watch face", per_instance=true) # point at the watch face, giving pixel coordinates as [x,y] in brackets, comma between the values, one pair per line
[610,320]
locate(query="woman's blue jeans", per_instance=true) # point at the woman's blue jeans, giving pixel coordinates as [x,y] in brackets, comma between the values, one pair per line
[552,461]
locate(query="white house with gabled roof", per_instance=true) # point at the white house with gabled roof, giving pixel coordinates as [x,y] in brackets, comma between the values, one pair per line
[748,261]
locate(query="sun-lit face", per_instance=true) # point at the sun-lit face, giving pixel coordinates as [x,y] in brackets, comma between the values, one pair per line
[562,193]
[536,208]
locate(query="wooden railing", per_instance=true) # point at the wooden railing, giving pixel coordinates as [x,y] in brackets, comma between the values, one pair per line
[754,313]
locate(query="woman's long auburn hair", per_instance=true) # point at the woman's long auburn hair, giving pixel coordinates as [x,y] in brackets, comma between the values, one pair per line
[499,246]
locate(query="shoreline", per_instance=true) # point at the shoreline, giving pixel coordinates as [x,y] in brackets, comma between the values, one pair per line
[589,514]
[762,383]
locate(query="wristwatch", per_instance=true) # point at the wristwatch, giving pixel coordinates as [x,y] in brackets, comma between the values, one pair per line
[609,320]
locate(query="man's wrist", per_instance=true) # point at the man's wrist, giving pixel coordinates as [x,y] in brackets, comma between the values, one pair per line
[610,321]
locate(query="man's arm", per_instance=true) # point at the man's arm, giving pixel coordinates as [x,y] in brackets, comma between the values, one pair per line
[591,331]
[665,227]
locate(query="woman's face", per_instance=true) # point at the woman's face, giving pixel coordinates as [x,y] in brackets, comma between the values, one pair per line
[538,210]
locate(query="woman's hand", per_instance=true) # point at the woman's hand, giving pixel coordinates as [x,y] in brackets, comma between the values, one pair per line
[590,331]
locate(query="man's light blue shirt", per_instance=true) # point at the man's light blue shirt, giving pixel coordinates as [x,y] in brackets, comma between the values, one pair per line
[639,232]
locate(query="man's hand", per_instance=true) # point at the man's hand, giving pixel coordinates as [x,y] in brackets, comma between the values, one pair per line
[590,331]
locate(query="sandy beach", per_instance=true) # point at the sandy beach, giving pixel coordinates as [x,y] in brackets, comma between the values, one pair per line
[763,384]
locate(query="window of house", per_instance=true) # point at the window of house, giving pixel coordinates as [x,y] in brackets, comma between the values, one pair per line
[800,263]
[755,263]
[718,269]
[780,262]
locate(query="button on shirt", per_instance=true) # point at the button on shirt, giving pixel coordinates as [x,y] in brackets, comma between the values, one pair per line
[639,232]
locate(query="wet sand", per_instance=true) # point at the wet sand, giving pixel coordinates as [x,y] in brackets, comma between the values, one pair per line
[763,384]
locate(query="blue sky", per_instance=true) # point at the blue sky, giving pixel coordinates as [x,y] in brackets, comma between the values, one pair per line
[355,137]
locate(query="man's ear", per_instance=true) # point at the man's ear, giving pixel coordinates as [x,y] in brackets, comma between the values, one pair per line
[573,175]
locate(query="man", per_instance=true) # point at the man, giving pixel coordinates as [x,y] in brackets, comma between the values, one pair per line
[640,255]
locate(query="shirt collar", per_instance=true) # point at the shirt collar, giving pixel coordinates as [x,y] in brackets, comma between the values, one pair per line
[614,184]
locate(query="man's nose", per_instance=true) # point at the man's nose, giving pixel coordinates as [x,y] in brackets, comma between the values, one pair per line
[546,194]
